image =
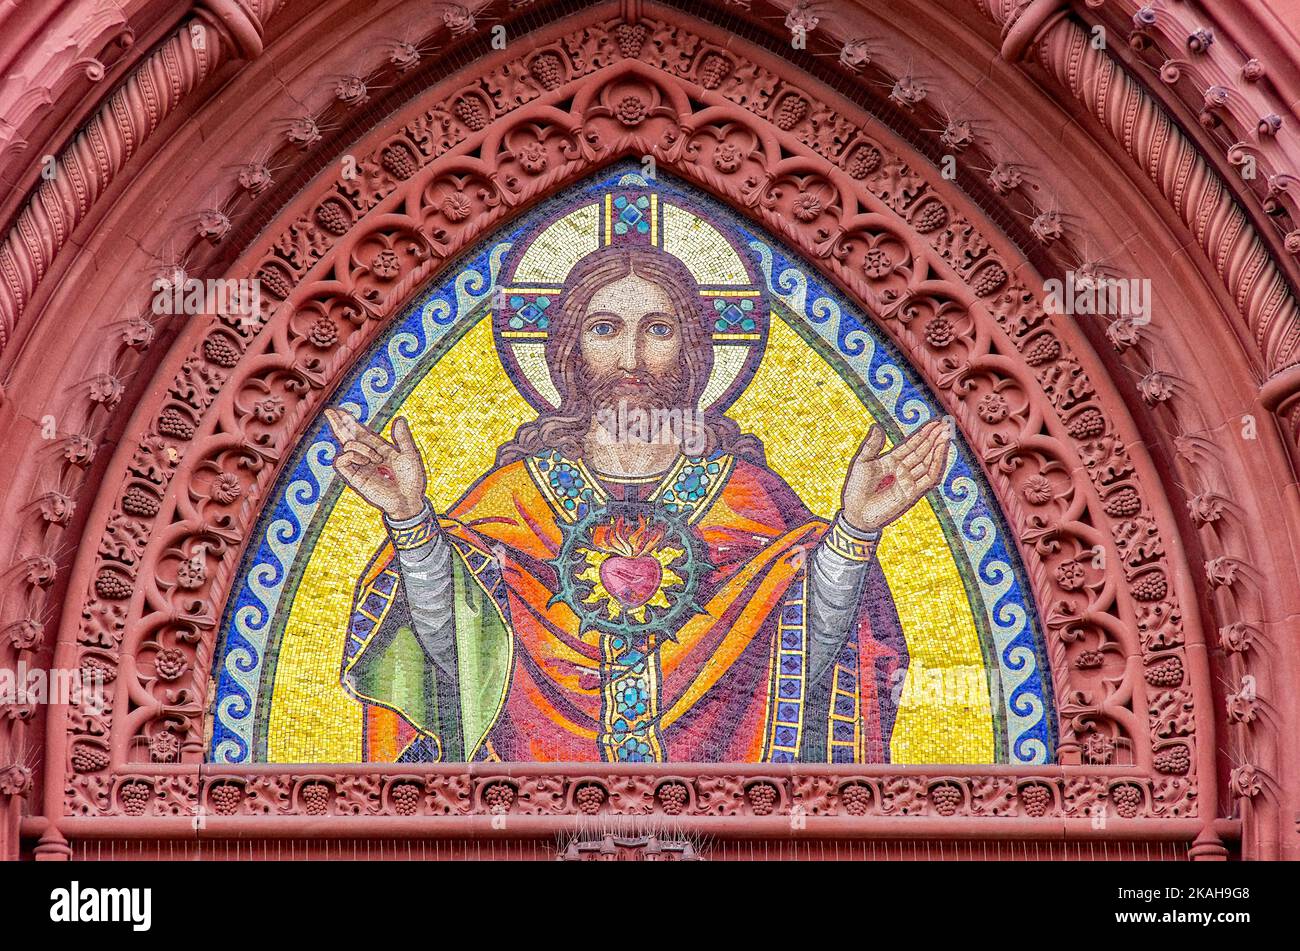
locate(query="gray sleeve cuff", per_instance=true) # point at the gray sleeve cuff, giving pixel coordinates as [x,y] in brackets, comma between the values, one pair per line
[413,534]
[401,524]
[837,576]
[852,532]
[844,543]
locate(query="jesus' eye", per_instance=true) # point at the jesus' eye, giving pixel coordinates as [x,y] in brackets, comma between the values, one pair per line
[602,328]
[660,329]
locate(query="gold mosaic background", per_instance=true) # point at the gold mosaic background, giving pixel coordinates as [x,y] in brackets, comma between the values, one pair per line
[466,407]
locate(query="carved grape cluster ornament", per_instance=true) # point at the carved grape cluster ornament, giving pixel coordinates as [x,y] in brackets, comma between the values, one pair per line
[406,798]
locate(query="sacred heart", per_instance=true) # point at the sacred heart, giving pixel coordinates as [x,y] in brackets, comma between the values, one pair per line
[632,581]
[627,559]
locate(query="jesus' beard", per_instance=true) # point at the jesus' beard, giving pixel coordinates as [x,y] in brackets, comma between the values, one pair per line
[649,408]
[565,430]
[659,391]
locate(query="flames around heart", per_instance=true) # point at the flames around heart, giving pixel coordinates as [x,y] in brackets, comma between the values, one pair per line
[629,542]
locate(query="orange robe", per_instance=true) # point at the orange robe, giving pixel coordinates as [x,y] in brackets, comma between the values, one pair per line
[725,681]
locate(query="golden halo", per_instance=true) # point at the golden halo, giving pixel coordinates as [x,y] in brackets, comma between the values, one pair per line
[632,213]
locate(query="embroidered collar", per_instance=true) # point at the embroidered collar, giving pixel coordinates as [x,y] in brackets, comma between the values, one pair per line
[572,489]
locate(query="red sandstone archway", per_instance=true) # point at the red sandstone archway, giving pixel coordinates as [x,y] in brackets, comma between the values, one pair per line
[1098,448]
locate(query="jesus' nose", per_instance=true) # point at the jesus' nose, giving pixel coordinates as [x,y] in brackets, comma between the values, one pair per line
[629,357]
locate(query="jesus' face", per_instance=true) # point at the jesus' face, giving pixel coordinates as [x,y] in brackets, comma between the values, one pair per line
[630,340]
[631,346]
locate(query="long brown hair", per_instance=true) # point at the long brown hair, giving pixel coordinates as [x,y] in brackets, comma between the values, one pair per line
[563,428]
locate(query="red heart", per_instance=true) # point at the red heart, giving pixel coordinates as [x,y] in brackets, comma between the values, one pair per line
[632,581]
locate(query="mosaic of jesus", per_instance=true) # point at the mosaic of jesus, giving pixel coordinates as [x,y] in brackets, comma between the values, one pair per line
[631,483]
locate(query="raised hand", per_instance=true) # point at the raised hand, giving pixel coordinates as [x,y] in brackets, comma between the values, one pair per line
[879,488]
[390,476]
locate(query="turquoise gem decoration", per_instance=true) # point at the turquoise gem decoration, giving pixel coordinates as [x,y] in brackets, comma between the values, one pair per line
[631,215]
[734,316]
[567,484]
[691,486]
[632,731]
[529,314]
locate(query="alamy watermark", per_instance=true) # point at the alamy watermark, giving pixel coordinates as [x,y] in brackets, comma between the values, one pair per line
[1087,294]
[676,425]
[33,686]
[961,685]
[177,293]
[80,903]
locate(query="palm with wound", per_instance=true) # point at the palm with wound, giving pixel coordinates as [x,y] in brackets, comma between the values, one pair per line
[879,488]
[388,475]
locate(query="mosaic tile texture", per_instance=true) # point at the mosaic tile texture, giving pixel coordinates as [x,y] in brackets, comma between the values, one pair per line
[704,659]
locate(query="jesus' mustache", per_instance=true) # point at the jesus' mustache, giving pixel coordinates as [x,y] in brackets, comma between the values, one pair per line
[638,389]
